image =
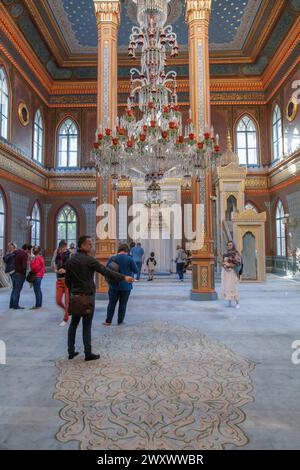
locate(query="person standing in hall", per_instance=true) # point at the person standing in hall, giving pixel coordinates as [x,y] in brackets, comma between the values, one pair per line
[137,253]
[37,266]
[180,261]
[232,268]
[9,260]
[151,263]
[120,291]
[19,275]
[62,256]
[72,249]
[80,271]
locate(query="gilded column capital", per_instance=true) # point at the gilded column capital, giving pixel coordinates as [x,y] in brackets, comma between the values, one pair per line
[197,10]
[107,11]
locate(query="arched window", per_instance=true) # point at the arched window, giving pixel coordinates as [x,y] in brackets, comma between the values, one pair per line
[2,223]
[66,228]
[36,225]
[246,138]
[249,205]
[38,137]
[280,230]
[277,134]
[68,144]
[4,104]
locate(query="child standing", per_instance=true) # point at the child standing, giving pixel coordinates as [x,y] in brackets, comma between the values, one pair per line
[151,263]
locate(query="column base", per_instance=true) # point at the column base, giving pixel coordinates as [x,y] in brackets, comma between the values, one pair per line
[203,296]
[101,296]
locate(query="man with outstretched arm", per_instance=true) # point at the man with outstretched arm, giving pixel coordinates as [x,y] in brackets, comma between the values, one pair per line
[80,270]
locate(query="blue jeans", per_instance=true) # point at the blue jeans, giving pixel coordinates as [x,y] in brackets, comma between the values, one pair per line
[17,281]
[179,269]
[139,266]
[114,296]
[38,292]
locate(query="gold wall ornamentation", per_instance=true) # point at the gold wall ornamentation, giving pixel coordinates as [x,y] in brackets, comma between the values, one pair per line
[253,222]
[249,215]
[23,114]
[292,109]
[72,184]
[259,182]
[232,171]
[21,169]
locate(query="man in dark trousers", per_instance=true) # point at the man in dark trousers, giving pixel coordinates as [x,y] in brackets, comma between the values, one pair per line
[19,275]
[120,291]
[80,270]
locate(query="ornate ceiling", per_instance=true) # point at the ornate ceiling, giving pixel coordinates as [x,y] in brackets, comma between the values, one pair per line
[244,35]
[231,22]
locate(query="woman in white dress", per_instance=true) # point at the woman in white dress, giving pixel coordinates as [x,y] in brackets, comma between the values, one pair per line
[232,263]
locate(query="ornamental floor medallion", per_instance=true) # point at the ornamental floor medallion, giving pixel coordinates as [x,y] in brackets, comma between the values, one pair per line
[156,386]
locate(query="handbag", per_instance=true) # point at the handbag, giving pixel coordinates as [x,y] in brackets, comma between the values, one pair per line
[81,305]
[31,276]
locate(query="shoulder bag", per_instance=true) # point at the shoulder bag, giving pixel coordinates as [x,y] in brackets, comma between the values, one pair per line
[80,304]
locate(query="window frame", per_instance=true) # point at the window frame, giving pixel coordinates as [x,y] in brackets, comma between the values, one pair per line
[36,222]
[247,133]
[60,135]
[3,214]
[38,131]
[6,93]
[277,126]
[66,223]
[281,248]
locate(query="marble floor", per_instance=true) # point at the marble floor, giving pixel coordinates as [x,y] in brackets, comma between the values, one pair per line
[263,331]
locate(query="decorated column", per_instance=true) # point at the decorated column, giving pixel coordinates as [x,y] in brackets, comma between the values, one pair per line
[108,20]
[203,260]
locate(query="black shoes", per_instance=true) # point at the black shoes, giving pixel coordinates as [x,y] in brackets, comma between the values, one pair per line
[92,357]
[74,354]
[19,308]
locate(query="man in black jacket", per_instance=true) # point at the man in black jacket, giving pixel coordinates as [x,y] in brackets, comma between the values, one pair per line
[80,270]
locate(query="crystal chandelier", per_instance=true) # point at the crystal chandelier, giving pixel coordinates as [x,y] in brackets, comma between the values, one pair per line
[156,145]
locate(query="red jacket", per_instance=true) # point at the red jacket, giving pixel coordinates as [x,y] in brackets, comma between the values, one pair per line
[37,266]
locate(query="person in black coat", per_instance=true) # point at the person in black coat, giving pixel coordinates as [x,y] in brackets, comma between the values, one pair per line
[80,270]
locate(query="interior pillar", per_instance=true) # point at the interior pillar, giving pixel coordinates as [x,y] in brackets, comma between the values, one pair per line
[108,20]
[203,259]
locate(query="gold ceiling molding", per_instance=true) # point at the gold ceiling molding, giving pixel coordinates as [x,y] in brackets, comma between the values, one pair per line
[236,84]
[289,44]
[71,88]
[269,24]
